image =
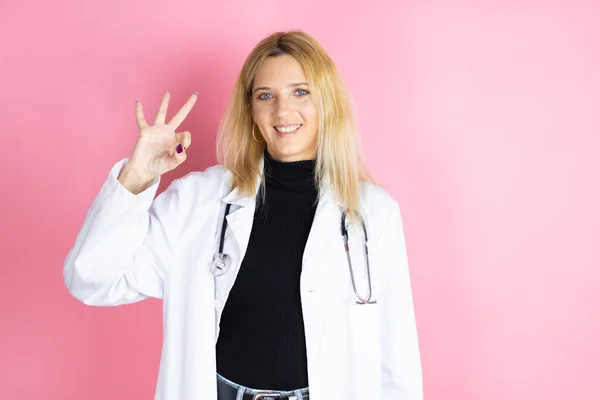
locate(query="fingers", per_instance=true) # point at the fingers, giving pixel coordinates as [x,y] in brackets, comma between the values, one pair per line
[161,115]
[183,111]
[184,138]
[139,115]
[176,159]
[179,153]
[162,109]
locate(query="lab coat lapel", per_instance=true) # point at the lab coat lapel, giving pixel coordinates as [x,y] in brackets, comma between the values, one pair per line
[241,215]
[325,232]
[240,220]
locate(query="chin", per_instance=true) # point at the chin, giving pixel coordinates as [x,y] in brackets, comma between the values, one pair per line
[290,153]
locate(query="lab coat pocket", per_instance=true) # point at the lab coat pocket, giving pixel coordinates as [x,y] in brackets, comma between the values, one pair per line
[364,334]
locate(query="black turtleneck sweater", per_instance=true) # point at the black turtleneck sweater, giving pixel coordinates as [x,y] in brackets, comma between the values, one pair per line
[261,341]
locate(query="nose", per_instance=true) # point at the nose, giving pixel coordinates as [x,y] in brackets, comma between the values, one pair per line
[283,106]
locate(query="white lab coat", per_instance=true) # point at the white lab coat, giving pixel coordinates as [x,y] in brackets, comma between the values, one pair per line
[132,247]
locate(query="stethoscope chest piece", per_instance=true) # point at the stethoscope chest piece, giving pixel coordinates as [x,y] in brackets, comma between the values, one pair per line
[221,261]
[220,264]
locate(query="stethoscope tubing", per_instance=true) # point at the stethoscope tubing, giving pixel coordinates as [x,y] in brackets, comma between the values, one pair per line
[221,260]
[361,300]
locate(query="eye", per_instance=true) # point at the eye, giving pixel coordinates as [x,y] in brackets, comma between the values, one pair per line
[305,92]
[261,96]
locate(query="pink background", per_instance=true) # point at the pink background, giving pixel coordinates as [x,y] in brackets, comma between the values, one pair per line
[482,120]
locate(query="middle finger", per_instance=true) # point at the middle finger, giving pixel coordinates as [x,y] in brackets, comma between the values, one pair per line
[162,109]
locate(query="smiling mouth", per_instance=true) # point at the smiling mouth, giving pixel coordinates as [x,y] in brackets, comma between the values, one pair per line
[288,128]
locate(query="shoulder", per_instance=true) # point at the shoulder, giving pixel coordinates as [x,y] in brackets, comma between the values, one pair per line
[378,208]
[212,182]
[375,199]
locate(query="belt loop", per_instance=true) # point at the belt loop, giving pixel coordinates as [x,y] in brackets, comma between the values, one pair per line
[298,394]
[240,393]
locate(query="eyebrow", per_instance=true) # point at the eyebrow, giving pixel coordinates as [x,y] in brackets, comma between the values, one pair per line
[290,85]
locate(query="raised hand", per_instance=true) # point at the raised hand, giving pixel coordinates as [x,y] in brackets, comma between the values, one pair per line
[159,148]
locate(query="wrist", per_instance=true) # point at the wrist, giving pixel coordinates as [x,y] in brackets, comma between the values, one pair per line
[133,179]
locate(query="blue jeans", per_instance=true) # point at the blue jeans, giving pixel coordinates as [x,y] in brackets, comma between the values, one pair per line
[241,390]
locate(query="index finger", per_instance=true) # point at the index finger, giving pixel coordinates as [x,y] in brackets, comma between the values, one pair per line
[183,111]
[139,115]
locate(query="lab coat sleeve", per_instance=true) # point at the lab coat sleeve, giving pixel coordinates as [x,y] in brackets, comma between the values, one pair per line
[401,362]
[123,251]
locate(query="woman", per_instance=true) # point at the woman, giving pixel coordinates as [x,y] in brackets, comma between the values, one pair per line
[260,297]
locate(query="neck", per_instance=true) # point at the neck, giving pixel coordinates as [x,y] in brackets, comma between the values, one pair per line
[293,176]
[291,158]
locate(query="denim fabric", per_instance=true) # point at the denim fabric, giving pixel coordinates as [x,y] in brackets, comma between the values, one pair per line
[241,390]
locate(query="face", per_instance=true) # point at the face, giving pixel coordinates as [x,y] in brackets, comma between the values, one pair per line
[283,109]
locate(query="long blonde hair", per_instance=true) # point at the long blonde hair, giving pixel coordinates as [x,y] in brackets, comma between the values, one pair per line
[339,161]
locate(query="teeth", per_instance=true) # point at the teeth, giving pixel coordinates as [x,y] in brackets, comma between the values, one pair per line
[288,129]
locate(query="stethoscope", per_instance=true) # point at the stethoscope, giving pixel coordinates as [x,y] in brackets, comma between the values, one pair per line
[221,261]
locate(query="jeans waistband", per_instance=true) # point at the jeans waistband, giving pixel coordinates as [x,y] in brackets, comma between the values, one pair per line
[243,392]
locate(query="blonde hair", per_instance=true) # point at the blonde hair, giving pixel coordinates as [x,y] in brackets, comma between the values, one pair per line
[339,161]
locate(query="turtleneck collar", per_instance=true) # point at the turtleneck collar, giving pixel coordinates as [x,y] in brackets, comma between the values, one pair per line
[291,176]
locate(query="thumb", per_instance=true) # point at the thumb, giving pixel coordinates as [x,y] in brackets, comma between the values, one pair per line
[177,157]
[184,138]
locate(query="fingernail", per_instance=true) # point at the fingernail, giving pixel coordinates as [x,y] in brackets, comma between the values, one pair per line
[166,91]
[136,100]
[179,148]
[196,93]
